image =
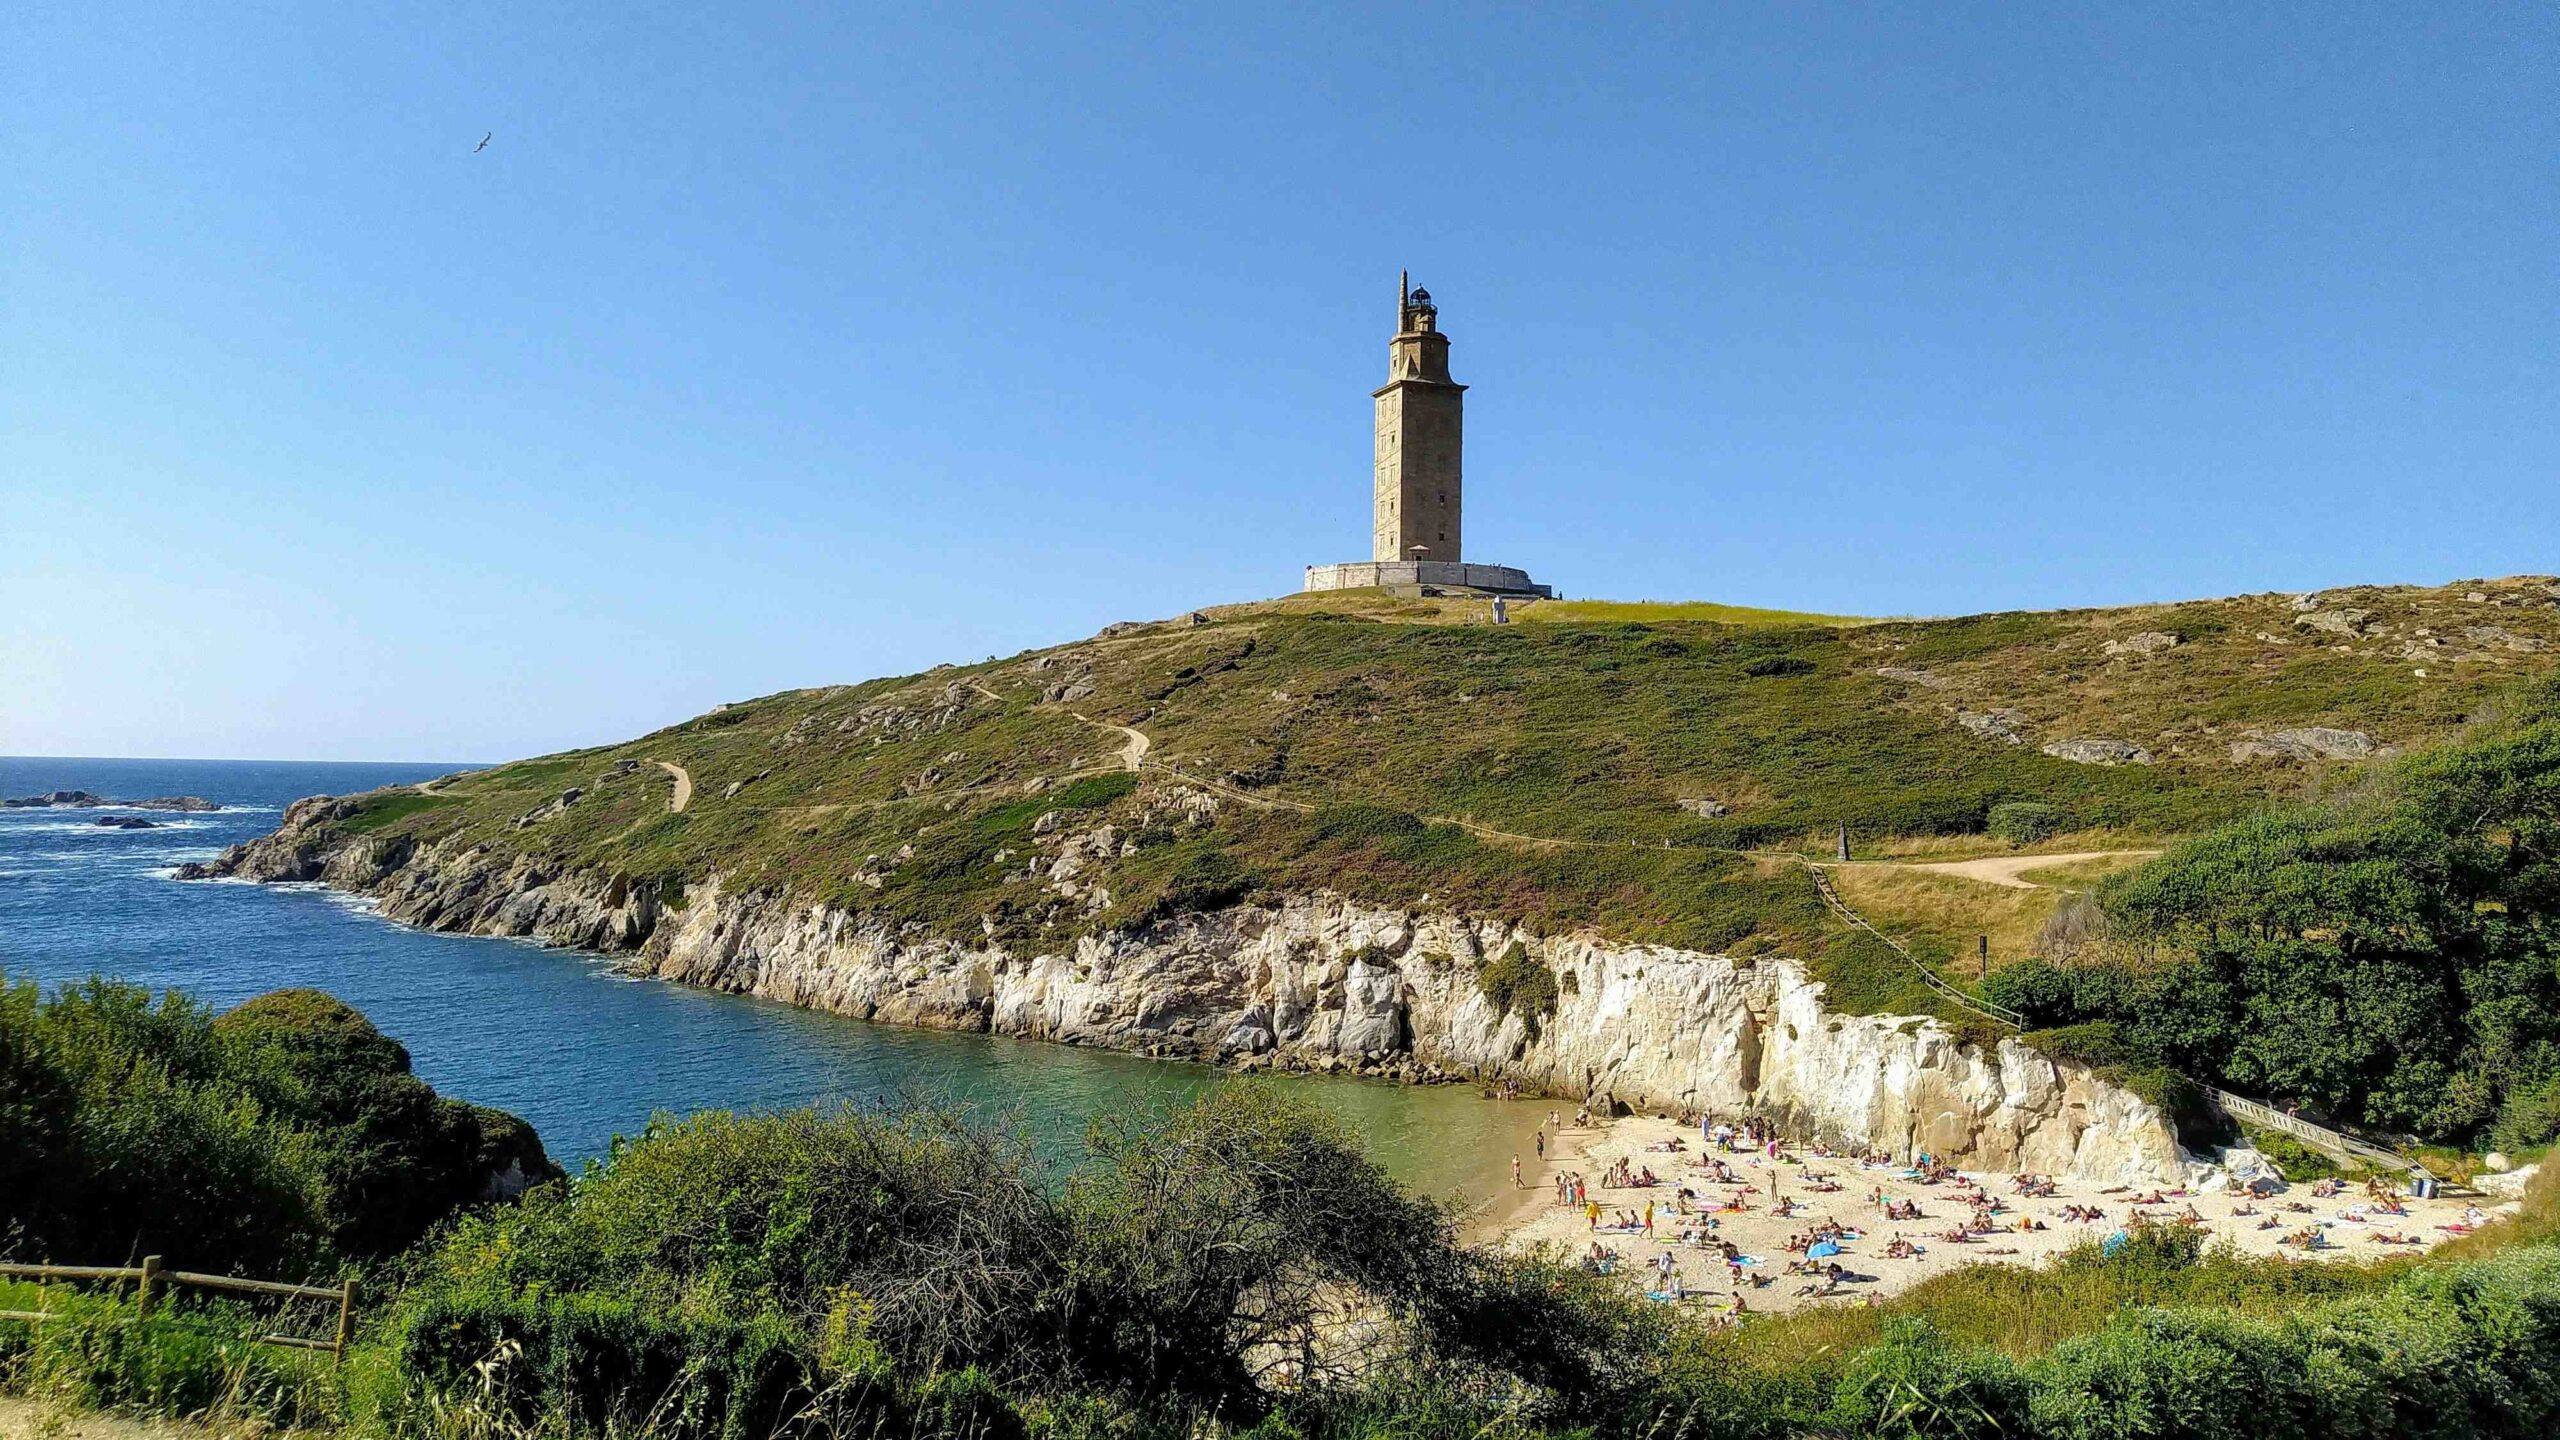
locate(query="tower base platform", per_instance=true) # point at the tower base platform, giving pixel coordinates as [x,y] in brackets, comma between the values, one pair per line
[1440,574]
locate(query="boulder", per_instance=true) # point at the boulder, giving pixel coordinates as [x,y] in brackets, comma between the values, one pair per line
[2097,750]
[2336,622]
[2147,642]
[2507,1184]
[2308,742]
[2001,724]
[1912,675]
[2492,636]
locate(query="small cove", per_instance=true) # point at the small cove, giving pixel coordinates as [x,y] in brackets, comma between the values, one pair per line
[557,1036]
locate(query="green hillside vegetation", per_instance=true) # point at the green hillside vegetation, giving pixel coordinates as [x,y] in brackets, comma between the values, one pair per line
[1565,772]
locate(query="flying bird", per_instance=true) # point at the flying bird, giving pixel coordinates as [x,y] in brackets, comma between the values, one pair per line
[484,143]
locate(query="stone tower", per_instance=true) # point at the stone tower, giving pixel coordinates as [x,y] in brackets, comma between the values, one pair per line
[1418,502]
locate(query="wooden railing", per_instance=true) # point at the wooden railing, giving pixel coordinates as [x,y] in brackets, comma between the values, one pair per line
[149,1278]
[2336,1142]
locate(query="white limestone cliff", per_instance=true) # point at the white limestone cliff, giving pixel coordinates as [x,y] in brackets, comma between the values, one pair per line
[1323,982]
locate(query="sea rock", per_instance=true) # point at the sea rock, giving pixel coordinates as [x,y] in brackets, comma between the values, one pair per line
[2097,750]
[1310,982]
[84,800]
[2001,724]
[2147,642]
[126,822]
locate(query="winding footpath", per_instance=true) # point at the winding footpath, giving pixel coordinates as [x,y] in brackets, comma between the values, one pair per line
[683,795]
[2009,871]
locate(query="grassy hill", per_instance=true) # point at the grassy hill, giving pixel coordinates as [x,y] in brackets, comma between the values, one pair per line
[1646,769]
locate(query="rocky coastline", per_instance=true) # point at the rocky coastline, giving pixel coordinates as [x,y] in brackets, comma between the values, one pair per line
[1314,982]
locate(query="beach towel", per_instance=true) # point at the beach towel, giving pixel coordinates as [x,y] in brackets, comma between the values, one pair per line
[2114,1244]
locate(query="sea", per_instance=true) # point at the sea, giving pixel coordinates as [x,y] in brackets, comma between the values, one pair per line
[558,1036]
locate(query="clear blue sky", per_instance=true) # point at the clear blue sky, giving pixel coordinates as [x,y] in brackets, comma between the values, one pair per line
[765,347]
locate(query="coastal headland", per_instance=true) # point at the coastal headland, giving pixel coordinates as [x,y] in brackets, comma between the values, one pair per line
[1575,854]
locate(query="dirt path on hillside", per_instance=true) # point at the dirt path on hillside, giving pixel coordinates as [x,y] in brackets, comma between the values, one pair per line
[683,795]
[26,1419]
[2008,871]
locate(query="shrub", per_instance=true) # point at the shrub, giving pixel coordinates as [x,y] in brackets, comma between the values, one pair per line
[1770,666]
[2035,989]
[2024,822]
[2165,1373]
[1913,1383]
[1518,984]
[281,1137]
[2529,1118]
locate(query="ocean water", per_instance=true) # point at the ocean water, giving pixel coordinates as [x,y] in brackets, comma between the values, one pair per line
[555,1035]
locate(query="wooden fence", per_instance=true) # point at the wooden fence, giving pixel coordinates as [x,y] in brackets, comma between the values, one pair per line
[149,1278]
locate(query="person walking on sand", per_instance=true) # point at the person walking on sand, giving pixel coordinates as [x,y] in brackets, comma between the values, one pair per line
[1648,1219]
[1542,1144]
[1515,1172]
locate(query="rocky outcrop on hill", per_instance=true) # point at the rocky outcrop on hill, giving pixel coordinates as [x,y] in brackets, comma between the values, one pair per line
[1318,982]
[2097,750]
[2309,742]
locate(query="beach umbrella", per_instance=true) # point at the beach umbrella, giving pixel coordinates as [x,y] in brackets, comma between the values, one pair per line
[1822,1250]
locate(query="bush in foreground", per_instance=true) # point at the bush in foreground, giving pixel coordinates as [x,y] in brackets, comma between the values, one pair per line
[283,1137]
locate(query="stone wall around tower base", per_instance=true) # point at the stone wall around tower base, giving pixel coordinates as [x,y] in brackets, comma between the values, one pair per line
[1453,574]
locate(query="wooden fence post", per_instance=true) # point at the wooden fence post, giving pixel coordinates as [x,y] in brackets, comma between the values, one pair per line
[142,1287]
[346,1319]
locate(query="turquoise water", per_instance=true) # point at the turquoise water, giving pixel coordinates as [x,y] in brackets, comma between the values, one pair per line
[554,1035]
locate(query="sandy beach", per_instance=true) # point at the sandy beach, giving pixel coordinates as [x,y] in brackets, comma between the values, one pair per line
[1814,1189]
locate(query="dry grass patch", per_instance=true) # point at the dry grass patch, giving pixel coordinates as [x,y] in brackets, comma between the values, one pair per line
[1913,906]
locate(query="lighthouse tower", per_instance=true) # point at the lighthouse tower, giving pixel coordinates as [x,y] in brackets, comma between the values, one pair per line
[1420,502]
[1417,501]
